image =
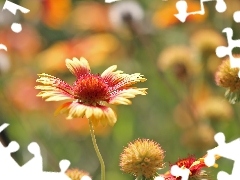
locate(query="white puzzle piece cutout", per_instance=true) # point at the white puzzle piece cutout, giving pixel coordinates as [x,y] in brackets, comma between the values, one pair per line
[182,6]
[110,1]
[227,150]
[35,164]
[64,164]
[177,172]
[159,178]
[16,27]
[2,46]
[12,7]
[222,51]
[88,178]
[5,154]
[33,169]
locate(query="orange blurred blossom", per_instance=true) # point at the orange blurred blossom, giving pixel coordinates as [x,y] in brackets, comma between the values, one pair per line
[164,16]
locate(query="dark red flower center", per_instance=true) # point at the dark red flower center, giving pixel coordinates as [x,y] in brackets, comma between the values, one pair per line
[90,89]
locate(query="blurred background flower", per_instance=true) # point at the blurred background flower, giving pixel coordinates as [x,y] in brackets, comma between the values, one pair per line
[167,10]
[185,105]
[97,17]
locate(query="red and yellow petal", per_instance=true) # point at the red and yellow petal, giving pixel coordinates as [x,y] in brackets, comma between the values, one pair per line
[53,89]
[110,115]
[109,72]
[122,96]
[76,110]
[111,76]
[118,79]
[97,114]
[103,114]
[63,108]
[129,80]
[78,67]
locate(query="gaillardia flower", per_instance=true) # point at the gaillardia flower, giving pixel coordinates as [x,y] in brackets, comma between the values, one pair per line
[142,158]
[195,167]
[192,164]
[90,93]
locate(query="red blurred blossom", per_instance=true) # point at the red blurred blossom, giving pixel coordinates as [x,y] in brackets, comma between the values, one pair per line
[21,93]
[24,44]
[194,165]
[191,163]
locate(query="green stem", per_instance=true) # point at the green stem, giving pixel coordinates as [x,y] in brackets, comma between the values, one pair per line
[97,150]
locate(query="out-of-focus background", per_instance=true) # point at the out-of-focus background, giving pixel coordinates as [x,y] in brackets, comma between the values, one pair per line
[182,111]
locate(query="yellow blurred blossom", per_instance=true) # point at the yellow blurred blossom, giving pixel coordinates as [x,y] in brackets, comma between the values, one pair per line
[180,59]
[206,41]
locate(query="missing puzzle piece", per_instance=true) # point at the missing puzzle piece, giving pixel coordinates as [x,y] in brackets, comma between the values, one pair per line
[7,163]
[35,164]
[227,150]
[110,1]
[13,8]
[177,172]
[64,165]
[222,51]
[182,7]
[33,169]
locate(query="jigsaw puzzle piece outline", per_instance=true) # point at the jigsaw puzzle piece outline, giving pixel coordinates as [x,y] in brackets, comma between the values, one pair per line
[12,7]
[222,51]
[177,172]
[110,1]
[63,165]
[227,150]
[182,7]
[2,46]
[33,169]
[9,164]
[36,163]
